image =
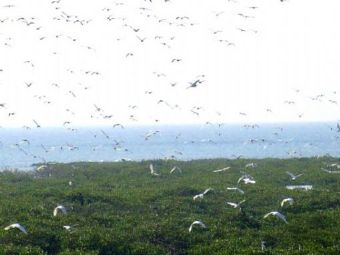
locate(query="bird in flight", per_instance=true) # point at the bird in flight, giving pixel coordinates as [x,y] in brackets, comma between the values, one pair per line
[276,214]
[17,226]
[152,170]
[36,123]
[59,208]
[174,169]
[237,189]
[293,176]
[236,205]
[287,200]
[247,179]
[195,83]
[201,195]
[221,170]
[196,222]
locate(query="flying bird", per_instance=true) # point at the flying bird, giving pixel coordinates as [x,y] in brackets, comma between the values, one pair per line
[195,83]
[287,200]
[247,179]
[196,222]
[59,208]
[236,205]
[251,165]
[237,189]
[152,170]
[278,215]
[201,195]
[174,169]
[17,226]
[294,177]
[37,124]
[222,169]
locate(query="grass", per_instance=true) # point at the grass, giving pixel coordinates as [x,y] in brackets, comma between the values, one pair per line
[119,208]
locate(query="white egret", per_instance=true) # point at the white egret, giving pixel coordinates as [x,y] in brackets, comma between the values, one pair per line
[330,171]
[287,200]
[59,208]
[235,188]
[293,176]
[201,195]
[221,170]
[236,205]
[174,169]
[251,165]
[67,227]
[17,226]
[42,167]
[247,179]
[152,171]
[278,215]
[196,222]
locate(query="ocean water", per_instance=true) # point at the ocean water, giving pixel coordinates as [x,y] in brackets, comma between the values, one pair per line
[20,148]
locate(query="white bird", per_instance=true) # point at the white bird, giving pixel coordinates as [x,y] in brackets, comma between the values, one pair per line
[222,169]
[330,171]
[293,176]
[251,165]
[42,167]
[174,169]
[196,222]
[18,226]
[152,171]
[287,200]
[278,215]
[236,205]
[263,245]
[59,208]
[246,179]
[67,227]
[235,188]
[202,194]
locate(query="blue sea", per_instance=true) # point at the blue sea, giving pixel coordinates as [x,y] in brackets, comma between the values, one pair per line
[20,148]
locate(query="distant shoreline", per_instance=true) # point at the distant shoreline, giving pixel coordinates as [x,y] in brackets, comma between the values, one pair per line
[34,166]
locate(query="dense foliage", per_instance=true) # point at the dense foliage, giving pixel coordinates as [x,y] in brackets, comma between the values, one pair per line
[120,208]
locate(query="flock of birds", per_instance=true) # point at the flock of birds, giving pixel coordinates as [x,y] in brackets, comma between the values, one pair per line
[83,81]
[246,179]
[79,87]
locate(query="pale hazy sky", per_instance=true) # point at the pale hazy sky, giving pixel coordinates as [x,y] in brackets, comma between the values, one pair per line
[287,47]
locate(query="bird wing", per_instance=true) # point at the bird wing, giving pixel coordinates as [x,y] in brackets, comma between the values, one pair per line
[200,223]
[239,190]
[173,169]
[196,222]
[21,228]
[151,168]
[283,201]
[232,204]
[8,227]
[241,202]
[222,169]
[241,178]
[290,174]
[207,190]
[268,214]
[63,209]
[198,196]
[282,217]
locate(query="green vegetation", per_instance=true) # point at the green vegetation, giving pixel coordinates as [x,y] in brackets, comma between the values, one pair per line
[120,208]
